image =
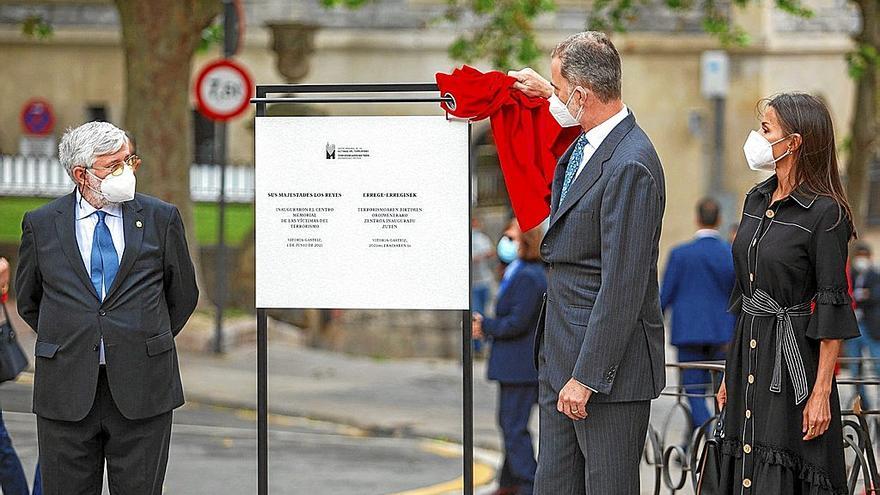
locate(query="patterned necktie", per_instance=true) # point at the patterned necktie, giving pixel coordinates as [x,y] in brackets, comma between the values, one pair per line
[105,261]
[574,162]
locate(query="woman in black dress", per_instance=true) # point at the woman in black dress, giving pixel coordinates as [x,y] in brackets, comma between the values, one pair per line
[783,434]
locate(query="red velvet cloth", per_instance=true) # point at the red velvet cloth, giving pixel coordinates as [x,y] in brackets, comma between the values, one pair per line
[527,137]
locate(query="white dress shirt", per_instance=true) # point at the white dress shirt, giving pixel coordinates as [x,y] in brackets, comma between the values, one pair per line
[597,134]
[86,221]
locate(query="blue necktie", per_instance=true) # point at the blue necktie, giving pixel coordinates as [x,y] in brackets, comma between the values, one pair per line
[574,162]
[105,261]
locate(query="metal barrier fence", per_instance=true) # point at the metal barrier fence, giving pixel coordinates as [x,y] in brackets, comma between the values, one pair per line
[41,176]
[674,459]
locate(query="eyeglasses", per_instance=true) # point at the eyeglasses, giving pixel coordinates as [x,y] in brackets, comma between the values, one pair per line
[117,167]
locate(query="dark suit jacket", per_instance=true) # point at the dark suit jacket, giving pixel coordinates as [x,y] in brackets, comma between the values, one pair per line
[871,307]
[603,324]
[696,286]
[513,329]
[150,300]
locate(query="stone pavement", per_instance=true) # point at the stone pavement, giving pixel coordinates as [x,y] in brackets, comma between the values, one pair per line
[414,397]
[410,397]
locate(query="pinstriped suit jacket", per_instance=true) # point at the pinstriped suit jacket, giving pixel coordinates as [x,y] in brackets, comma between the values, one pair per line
[602,322]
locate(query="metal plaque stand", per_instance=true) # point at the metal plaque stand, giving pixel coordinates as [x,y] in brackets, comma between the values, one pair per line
[361,93]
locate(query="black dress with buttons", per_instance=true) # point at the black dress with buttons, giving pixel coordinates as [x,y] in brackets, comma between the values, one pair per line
[791,290]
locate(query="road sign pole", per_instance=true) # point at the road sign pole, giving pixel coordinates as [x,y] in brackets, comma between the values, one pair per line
[230,24]
[715,85]
[222,268]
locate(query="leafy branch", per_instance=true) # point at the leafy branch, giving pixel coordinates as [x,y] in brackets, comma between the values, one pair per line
[503,31]
[36,26]
[860,60]
[506,33]
[210,36]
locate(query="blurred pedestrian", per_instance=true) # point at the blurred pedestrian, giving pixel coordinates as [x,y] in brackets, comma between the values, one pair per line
[106,280]
[482,255]
[12,479]
[782,428]
[511,359]
[507,249]
[866,293]
[696,288]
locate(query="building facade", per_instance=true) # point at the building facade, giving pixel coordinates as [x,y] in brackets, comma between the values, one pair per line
[80,71]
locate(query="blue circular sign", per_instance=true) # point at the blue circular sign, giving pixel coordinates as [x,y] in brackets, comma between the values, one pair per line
[37,117]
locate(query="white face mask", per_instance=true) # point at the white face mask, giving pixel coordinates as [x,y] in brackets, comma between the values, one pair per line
[862,264]
[759,152]
[117,188]
[561,113]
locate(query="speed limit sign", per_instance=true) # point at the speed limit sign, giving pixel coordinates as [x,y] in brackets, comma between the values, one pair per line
[223,90]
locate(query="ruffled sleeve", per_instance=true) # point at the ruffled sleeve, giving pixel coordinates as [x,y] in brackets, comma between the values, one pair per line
[834,317]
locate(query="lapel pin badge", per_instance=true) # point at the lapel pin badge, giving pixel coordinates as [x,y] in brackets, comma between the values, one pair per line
[139,224]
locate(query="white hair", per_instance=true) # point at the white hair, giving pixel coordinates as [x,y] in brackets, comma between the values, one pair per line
[80,146]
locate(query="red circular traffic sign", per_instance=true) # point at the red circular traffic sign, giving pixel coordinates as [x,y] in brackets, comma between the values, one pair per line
[37,117]
[223,90]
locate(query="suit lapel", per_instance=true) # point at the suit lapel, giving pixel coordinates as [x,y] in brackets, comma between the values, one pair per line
[593,168]
[65,223]
[132,223]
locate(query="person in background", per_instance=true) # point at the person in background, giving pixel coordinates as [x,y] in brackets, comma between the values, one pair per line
[481,255]
[508,247]
[511,363]
[866,293]
[696,288]
[12,479]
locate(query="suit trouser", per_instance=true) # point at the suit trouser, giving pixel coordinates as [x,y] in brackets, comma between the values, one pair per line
[515,403]
[698,382]
[72,453]
[853,348]
[597,456]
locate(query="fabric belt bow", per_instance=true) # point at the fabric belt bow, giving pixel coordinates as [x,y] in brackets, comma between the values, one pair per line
[761,304]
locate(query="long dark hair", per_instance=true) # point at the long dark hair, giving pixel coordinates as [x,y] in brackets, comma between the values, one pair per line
[816,158]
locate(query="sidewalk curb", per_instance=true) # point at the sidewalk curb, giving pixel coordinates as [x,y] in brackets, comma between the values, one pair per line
[402,431]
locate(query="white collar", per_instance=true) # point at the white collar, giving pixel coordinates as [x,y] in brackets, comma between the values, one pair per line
[702,233]
[598,134]
[85,209]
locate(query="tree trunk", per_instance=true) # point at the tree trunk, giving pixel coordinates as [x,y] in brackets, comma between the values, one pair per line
[864,122]
[159,39]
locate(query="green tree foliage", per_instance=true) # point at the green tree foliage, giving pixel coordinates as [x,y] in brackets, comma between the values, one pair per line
[504,33]
[37,27]
[506,28]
